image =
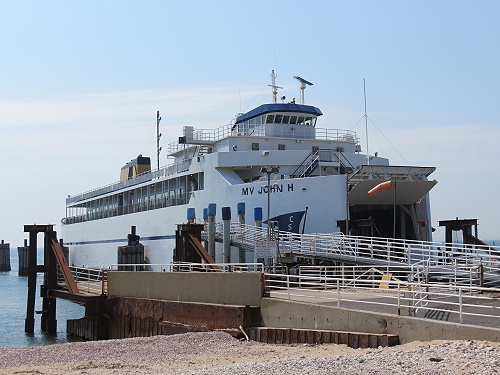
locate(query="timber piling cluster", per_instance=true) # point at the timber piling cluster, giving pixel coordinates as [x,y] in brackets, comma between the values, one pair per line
[4,256]
[132,253]
[22,252]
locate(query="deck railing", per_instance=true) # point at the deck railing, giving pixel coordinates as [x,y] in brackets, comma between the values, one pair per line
[205,136]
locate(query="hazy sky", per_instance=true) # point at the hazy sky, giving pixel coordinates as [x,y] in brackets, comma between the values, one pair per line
[81,82]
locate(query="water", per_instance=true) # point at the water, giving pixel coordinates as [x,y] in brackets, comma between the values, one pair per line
[14,297]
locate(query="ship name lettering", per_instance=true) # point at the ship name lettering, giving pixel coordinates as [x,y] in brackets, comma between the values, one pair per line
[275,188]
[247,191]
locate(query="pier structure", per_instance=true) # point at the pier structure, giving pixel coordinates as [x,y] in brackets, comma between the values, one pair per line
[53,256]
[362,307]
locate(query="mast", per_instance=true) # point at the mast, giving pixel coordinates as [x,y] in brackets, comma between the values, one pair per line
[366,126]
[158,136]
[274,87]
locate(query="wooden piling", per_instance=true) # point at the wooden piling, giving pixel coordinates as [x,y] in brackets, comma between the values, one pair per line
[22,252]
[133,253]
[272,335]
[4,256]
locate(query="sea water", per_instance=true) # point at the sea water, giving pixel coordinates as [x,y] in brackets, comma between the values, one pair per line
[13,305]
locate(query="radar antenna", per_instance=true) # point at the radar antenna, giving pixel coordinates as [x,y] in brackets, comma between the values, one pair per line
[274,87]
[158,136]
[303,85]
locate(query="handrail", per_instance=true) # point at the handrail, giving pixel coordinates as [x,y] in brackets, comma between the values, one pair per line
[173,168]
[463,301]
[264,130]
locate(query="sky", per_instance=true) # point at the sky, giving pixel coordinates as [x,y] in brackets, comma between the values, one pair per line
[81,82]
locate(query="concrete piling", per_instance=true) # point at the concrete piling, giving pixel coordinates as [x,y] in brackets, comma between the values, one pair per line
[226,236]
[4,256]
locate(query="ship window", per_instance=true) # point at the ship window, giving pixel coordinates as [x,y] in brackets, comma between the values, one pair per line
[300,120]
[286,119]
[270,119]
[293,120]
[281,147]
[277,119]
[255,147]
[308,121]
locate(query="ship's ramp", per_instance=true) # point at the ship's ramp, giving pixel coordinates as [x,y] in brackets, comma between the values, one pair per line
[476,264]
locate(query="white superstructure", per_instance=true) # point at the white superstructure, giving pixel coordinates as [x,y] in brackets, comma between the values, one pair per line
[322,179]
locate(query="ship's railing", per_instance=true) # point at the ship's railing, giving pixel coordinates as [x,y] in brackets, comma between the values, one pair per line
[383,293]
[144,205]
[205,136]
[144,177]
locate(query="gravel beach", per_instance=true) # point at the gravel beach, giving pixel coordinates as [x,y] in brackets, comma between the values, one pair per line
[219,353]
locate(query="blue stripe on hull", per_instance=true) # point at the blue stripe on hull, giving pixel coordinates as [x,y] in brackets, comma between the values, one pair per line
[152,238]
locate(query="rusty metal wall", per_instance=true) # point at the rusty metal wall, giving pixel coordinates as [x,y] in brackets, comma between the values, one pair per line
[136,317]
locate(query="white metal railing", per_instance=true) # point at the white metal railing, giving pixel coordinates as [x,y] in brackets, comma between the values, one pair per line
[265,130]
[88,280]
[374,249]
[170,169]
[192,267]
[467,304]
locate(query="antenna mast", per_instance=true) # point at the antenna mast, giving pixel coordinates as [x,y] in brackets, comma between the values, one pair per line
[366,125]
[303,85]
[274,87]
[158,136]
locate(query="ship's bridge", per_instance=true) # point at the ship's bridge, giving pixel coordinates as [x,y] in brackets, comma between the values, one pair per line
[288,120]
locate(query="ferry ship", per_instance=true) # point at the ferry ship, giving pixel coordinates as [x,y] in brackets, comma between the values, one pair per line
[304,178]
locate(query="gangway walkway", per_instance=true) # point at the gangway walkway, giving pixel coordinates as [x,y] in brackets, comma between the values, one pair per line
[445,260]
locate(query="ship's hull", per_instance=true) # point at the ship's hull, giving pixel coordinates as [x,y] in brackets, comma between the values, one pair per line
[95,243]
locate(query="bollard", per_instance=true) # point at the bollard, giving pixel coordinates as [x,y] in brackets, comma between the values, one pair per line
[241,212]
[211,229]
[205,221]
[191,215]
[226,237]
[257,215]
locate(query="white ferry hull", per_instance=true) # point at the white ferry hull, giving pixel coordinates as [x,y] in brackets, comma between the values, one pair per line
[95,243]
